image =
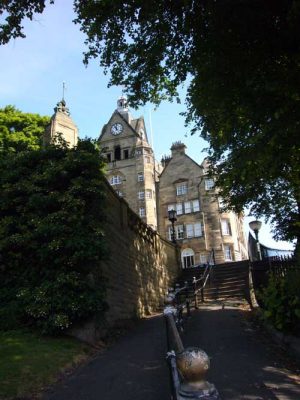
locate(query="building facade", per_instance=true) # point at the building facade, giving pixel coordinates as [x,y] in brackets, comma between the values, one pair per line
[200,227]
[131,168]
[151,189]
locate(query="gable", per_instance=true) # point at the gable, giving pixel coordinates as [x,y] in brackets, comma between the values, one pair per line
[116,118]
[180,168]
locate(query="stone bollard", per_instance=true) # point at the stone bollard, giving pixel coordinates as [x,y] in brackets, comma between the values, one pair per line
[193,364]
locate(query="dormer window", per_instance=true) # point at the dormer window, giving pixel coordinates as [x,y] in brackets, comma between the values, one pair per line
[181,189]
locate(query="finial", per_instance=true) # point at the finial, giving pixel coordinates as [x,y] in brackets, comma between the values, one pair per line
[63,92]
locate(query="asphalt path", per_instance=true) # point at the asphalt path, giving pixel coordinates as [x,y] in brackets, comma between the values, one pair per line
[245,363]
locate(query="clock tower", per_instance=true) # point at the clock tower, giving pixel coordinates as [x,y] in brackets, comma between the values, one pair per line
[131,168]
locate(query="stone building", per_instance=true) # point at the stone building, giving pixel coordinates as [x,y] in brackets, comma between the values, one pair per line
[151,189]
[61,125]
[200,227]
[131,168]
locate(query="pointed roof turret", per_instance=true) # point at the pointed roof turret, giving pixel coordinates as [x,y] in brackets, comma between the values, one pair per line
[61,124]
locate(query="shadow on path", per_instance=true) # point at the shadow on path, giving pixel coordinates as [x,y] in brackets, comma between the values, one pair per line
[134,368]
[244,362]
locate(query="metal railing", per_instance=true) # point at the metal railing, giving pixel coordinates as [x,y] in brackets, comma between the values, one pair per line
[200,283]
[187,366]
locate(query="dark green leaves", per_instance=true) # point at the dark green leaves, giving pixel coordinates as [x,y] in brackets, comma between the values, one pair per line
[52,215]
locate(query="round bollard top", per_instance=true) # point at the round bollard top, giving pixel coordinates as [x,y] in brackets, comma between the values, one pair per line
[170,298]
[193,364]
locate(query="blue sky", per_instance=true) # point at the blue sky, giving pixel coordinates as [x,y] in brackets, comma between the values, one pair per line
[33,69]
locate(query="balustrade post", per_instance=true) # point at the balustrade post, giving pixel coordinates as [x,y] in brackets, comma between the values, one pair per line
[193,365]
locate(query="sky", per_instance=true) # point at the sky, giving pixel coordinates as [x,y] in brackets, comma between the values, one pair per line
[32,72]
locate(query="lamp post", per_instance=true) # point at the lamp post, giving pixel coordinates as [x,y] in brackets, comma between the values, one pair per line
[172,219]
[255,226]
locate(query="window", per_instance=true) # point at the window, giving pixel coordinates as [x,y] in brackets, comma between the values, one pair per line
[140,176]
[179,231]
[187,207]
[108,156]
[209,184]
[203,259]
[179,210]
[126,154]
[193,230]
[227,253]
[141,195]
[147,159]
[117,153]
[221,203]
[142,212]
[119,193]
[198,229]
[148,194]
[196,205]
[181,189]
[138,152]
[189,230]
[187,258]
[225,225]
[115,180]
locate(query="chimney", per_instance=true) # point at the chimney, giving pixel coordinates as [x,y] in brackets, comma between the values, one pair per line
[178,148]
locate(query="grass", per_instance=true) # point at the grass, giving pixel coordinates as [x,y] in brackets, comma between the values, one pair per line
[29,363]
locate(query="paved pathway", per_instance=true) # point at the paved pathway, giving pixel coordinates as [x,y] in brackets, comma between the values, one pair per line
[134,368]
[243,364]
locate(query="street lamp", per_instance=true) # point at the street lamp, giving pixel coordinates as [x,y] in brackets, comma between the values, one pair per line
[172,219]
[255,226]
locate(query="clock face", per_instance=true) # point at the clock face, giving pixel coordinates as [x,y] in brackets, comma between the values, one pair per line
[116,129]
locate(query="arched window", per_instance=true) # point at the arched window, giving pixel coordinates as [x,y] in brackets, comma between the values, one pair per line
[187,258]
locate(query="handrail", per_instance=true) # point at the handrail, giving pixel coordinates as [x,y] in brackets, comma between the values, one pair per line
[187,366]
[204,278]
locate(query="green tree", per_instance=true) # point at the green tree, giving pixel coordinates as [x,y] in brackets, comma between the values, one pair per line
[240,59]
[20,131]
[52,213]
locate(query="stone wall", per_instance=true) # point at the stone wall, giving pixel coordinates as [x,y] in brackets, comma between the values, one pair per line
[141,267]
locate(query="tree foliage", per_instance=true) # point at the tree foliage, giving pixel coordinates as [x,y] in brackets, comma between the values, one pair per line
[240,59]
[281,301]
[14,12]
[51,236]
[20,131]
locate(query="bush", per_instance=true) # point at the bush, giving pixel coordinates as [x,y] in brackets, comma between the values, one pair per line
[52,213]
[281,301]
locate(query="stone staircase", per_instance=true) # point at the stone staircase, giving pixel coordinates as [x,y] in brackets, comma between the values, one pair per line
[226,281]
